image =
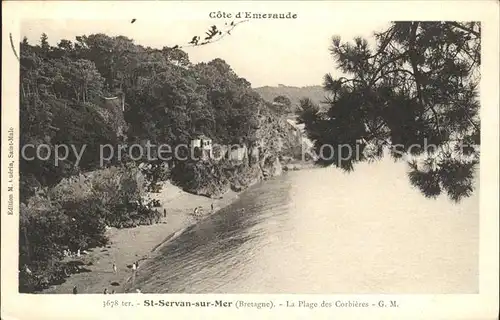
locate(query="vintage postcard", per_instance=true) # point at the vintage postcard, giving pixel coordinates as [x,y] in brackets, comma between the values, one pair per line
[195,160]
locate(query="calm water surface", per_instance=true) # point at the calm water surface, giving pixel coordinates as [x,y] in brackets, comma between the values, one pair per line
[323,231]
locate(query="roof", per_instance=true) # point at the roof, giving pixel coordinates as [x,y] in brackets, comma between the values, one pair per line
[201,136]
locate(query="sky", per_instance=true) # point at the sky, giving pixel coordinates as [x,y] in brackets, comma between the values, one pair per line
[265,52]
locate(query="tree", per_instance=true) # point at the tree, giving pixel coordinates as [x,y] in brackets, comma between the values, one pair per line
[44,43]
[283,100]
[418,88]
[283,104]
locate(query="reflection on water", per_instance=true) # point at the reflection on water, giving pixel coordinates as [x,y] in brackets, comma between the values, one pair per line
[322,231]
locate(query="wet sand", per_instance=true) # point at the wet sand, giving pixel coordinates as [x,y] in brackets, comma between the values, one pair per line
[127,246]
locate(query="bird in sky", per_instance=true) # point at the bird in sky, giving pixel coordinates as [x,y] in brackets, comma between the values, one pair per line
[133,20]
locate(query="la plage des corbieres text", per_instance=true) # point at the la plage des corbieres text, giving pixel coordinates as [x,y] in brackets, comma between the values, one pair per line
[252,15]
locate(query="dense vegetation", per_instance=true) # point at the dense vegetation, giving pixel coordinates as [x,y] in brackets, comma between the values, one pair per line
[66,93]
[167,98]
[418,87]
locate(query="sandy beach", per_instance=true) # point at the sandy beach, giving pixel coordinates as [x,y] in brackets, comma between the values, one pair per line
[129,245]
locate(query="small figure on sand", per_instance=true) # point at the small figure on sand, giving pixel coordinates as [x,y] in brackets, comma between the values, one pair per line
[212,207]
[105,291]
[114,268]
[164,213]
[134,266]
[137,264]
[78,253]
[112,292]
[137,291]
[75,291]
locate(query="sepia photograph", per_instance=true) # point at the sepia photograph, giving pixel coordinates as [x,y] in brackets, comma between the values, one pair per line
[363,179]
[247,152]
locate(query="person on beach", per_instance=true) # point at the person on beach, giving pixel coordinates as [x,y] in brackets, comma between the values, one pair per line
[164,213]
[112,292]
[212,207]
[75,291]
[134,266]
[105,291]
[137,290]
[114,268]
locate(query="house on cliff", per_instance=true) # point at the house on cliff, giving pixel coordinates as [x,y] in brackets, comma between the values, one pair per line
[201,145]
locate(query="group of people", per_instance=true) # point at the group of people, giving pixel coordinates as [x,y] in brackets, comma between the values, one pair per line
[135,266]
[106,291]
[68,253]
[199,210]
[75,290]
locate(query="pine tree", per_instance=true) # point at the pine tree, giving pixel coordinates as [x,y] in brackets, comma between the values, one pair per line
[44,43]
[418,88]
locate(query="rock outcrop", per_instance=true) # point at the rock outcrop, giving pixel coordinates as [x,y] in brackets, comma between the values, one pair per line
[247,164]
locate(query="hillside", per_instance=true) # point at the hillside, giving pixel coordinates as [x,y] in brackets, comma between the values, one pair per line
[315,93]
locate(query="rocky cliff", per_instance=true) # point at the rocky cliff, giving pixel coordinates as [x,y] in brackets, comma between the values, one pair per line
[261,160]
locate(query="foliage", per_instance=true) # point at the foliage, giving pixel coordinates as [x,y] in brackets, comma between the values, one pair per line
[72,94]
[418,87]
[74,215]
[208,178]
[154,173]
[168,100]
[283,100]
[295,94]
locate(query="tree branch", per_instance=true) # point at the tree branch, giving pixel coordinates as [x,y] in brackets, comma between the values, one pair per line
[392,71]
[226,32]
[459,26]
[374,78]
[13,48]
[385,43]
[416,72]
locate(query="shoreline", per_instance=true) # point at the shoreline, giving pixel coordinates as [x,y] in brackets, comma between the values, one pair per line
[140,243]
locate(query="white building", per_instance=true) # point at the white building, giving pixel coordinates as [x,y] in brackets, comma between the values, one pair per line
[204,144]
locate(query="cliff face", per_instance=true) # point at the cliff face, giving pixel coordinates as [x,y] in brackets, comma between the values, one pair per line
[111,109]
[261,160]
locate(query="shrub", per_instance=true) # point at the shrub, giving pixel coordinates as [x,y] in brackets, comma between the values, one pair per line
[73,215]
[155,172]
[42,238]
[207,178]
[87,219]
